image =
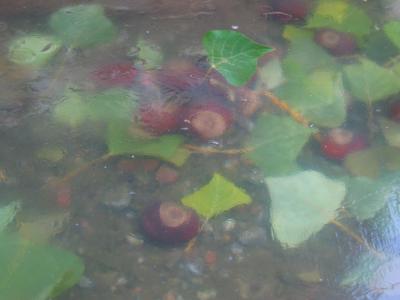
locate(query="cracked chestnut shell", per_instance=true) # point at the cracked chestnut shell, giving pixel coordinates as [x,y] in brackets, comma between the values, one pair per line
[169,223]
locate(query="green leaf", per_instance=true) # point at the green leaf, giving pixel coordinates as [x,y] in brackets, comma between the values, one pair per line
[149,54]
[216,197]
[318,96]
[341,16]
[121,141]
[375,50]
[277,141]
[305,56]
[110,105]
[82,25]
[391,131]
[7,214]
[373,161]
[33,272]
[392,30]
[369,82]
[233,54]
[33,50]
[366,196]
[301,204]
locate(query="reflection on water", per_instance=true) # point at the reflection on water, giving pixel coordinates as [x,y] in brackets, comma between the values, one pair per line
[107,111]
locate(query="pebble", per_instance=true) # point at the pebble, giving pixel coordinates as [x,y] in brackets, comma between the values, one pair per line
[86,282]
[253,236]
[133,240]
[166,174]
[207,294]
[229,224]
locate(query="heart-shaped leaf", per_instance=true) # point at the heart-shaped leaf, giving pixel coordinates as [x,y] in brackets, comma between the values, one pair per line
[392,30]
[301,204]
[216,197]
[233,54]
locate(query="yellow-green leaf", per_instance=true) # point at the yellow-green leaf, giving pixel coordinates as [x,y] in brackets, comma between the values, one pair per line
[216,197]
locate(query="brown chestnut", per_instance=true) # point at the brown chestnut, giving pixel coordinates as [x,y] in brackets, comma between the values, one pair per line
[335,42]
[169,223]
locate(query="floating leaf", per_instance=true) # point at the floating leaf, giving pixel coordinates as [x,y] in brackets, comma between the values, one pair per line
[7,214]
[72,110]
[366,196]
[120,141]
[391,131]
[216,197]
[33,50]
[292,33]
[369,82]
[277,141]
[379,48]
[392,30]
[55,270]
[82,25]
[318,96]
[149,54]
[301,204]
[269,76]
[341,16]
[233,54]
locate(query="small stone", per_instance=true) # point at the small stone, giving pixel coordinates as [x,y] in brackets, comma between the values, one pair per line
[167,174]
[253,236]
[170,295]
[229,224]
[206,294]
[86,282]
[133,240]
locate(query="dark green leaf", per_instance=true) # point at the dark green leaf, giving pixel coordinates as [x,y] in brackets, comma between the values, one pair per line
[369,82]
[82,25]
[35,272]
[233,54]
[277,141]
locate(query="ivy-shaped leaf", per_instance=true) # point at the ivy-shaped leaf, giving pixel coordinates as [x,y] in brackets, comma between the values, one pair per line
[82,25]
[7,214]
[277,142]
[392,30]
[55,270]
[369,82]
[341,16]
[233,54]
[149,55]
[121,141]
[319,96]
[216,197]
[301,204]
[366,196]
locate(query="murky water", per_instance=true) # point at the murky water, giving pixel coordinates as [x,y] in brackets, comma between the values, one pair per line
[100,120]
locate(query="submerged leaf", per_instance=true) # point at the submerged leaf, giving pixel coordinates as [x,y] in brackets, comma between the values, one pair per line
[370,82]
[33,272]
[391,131]
[392,30]
[7,214]
[216,197]
[341,16]
[367,196]
[277,142]
[149,54]
[121,141]
[82,25]
[301,204]
[318,96]
[233,54]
